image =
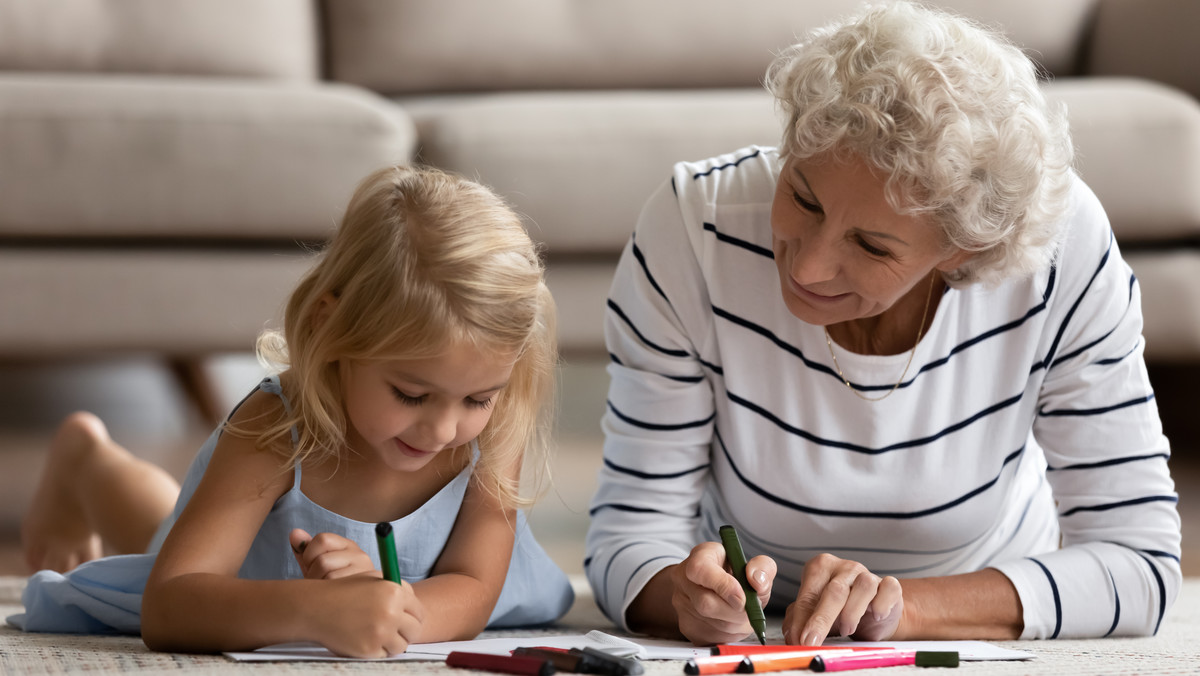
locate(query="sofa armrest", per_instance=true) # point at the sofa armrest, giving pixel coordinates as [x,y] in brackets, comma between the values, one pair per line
[1154,39]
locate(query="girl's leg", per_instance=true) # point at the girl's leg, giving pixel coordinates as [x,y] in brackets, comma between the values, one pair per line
[93,495]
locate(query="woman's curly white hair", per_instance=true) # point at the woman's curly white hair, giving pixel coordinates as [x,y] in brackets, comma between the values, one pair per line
[952,114]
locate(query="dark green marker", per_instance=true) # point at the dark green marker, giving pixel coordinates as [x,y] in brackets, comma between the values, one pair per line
[737,563]
[387,552]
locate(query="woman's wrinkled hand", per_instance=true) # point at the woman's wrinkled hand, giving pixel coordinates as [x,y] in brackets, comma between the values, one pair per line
[709,601]
[839,597]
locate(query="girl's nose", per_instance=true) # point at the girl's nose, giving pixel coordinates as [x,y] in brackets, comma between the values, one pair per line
[439,428]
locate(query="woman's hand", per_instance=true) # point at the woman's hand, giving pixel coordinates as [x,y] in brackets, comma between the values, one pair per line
[328,556]
[709,601]
[365,617]
[839,597]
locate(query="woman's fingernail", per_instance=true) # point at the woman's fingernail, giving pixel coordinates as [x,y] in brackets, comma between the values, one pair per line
[761,578]
[301,547]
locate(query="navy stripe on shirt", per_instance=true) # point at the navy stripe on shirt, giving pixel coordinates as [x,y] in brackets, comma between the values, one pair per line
[660,426]
[1084,412]
[625,318]
[1116,604]
[1104,507]
[1110,462]
[1162,592]
[641,259]
[730,239]
[864,515]
[857,448]
[702,174]
[1057,599]
[653,475]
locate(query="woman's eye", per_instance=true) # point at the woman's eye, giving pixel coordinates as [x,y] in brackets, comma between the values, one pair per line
[874,251]
[806,204]
[406,399]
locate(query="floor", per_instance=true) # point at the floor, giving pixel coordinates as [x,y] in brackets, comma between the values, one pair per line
[146,410]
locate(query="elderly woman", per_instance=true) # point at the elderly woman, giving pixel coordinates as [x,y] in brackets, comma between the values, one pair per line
[902,354]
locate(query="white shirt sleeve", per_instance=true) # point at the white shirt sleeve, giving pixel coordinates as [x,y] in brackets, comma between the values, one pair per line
[1118,569]
[659,418]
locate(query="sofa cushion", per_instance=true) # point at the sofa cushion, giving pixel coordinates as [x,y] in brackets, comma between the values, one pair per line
[166,301]
[1138,146]
[409,46]
[1170,302]
[129,156]
[1155,39]
[265,38]
[580,165]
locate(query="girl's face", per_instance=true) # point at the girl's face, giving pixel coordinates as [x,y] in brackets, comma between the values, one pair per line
[405,412]
[842,252]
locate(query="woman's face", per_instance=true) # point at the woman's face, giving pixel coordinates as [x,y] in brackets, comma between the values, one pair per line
[842,252]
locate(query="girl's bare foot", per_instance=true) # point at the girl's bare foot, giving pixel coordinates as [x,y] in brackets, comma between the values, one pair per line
[55,533]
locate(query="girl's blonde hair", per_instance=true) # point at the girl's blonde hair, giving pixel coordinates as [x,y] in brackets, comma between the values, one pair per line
[423,259]
[951,113]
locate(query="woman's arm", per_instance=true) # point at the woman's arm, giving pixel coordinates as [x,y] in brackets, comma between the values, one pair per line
[1117,571]
[979,605]
[839,597]
[658,427]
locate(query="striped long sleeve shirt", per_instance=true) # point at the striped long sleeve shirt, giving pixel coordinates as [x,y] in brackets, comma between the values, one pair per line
[1024,437]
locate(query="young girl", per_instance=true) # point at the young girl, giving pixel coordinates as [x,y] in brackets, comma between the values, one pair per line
[417,365]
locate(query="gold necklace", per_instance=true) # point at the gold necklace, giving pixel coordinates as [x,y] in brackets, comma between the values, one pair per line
[911,353]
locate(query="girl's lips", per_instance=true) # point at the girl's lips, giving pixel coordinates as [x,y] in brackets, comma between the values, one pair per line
[410,451]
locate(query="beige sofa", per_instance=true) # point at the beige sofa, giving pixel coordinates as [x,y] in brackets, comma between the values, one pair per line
[162,162]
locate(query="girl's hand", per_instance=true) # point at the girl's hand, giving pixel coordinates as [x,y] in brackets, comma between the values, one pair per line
[709,601]
[839,597]
[364,617]
[328,556]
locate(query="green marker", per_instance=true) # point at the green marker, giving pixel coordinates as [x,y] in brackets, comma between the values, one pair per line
[387,552]
[737,563]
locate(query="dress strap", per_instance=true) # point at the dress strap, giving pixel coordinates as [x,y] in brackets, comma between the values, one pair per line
[271,384]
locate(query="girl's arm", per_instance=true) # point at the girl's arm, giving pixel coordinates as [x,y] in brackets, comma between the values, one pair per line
[194,600]
[466,581]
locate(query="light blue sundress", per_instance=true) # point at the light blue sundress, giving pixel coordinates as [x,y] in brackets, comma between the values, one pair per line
[105,595]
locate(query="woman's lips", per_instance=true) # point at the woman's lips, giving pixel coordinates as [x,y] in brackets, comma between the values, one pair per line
[811,296]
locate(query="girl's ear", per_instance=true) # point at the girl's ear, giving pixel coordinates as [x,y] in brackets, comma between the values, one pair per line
[325,307]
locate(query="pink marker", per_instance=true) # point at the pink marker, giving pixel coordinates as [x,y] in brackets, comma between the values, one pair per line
[920,658]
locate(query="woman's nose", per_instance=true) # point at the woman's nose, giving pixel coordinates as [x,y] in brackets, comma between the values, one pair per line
[814,260]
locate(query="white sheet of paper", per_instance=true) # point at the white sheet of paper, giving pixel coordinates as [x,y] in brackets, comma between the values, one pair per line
[642,648]
[968,651]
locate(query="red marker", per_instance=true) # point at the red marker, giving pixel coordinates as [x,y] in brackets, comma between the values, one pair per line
[508,664]
[749,649]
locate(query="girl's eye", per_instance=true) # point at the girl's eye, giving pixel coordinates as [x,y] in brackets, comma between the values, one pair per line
[406,399]
[485,404]
[874,251]
[805,204]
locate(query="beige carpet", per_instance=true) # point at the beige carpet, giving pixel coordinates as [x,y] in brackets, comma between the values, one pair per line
[1176,650]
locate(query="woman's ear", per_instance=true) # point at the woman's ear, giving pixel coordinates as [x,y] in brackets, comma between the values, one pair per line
[955,260]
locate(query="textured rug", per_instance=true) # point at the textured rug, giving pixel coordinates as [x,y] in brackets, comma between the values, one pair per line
[1175,650]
